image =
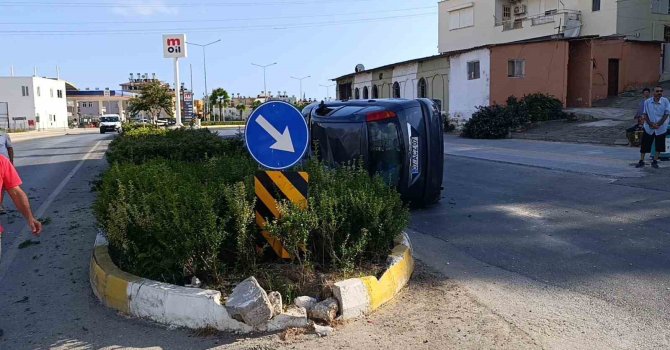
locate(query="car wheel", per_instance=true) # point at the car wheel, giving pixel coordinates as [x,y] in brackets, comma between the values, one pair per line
[102,131]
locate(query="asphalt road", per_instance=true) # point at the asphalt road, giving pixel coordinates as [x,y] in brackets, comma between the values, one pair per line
[567,243]
[575,255]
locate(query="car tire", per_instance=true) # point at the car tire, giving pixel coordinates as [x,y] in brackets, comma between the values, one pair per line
[102,131]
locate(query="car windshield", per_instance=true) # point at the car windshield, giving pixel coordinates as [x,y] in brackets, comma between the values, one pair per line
[385,150]
[109,119]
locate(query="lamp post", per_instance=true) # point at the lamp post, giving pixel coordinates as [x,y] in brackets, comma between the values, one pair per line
[204,64]
[301,79]
[327,90]
[265,87]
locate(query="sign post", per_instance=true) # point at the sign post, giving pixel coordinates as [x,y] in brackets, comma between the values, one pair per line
[277,137]
[174,46]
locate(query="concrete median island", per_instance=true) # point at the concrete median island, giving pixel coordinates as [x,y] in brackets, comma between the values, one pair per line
[249,308]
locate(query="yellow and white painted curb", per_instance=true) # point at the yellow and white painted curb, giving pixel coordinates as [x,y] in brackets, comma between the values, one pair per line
[361,296]
[161,302]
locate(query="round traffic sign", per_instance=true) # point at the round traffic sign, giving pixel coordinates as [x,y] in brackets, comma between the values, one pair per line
[276,135]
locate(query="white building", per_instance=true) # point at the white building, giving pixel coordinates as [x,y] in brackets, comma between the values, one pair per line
[466,24]
[33,103]
[469,83]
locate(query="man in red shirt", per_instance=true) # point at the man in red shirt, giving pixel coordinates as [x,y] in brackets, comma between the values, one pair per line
[10,182]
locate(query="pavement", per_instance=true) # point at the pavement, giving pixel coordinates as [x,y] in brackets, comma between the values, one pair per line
[566,244]
[576,257]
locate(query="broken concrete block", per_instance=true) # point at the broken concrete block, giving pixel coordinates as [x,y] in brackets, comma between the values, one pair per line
[293,317]
[353,298]
[305,302]
[324,311]
[276,302]
[323,331]
[250,303]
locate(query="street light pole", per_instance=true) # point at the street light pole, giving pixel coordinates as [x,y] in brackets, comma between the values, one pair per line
[265,87]
[327,90]
[204,65]
[301,79]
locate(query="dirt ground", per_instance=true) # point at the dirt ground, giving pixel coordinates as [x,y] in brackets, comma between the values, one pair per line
[431,313]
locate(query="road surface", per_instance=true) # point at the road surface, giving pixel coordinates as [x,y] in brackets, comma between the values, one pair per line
[567,244]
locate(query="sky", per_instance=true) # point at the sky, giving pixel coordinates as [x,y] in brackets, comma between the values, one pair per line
[98,43]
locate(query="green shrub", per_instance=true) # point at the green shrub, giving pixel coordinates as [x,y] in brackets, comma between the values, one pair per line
[166,220]
[490,122]
[543,107]
[351,217]
[144,144]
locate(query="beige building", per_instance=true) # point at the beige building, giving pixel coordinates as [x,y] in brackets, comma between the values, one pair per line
[466,24]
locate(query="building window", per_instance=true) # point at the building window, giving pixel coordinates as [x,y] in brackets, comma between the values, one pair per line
[39,92]
[595,5]
[25,91]
[516,68]
[357,94]
[51,91]
[59,93]
[375,91]
[396,90]
[462,18]
[365,93]
[473,70]
[666,34]
[422,88]
[507,12]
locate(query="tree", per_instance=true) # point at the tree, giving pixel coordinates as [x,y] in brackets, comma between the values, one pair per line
[153,99]
[256,104]
[219,98]
[241,108]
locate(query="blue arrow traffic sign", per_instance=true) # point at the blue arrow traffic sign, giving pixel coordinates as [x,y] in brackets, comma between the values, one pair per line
[276,135]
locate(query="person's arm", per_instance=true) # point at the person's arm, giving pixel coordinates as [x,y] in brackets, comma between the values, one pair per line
[22,204]
[10,151]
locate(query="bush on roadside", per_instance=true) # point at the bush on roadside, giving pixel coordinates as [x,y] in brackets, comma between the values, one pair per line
[230,122]
[489,122]
[144,144]
[351,218]
[166,220]
[543,107]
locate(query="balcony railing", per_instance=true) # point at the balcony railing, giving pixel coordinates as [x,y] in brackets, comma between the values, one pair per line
[569,21]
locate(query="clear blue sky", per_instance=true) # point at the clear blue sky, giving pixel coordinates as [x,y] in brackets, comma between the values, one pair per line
[97,43]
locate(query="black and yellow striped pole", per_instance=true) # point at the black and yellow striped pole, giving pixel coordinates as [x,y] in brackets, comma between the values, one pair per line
[273,187]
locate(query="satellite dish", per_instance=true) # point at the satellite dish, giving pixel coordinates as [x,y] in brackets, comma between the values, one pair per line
[359,68]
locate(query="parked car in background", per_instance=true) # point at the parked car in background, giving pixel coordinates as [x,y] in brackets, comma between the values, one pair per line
[110,122]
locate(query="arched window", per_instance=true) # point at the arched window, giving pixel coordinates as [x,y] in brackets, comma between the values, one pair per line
[422,89]
[375,91]
[396,90]
[357,94]
[365,93]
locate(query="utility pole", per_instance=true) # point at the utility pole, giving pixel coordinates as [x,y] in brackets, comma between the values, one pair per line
[265,87]
[327,90]
[204,65]
[301,79]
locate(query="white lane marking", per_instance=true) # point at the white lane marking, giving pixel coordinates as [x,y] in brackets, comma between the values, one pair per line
[9,254]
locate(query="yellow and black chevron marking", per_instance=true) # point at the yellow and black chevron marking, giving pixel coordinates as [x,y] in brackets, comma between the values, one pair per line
[273,187]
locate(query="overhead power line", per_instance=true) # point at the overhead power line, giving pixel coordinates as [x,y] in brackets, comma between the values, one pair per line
[248,19]
[98,4]
[211,29]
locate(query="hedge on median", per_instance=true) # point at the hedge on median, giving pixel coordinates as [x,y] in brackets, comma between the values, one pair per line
[180,203]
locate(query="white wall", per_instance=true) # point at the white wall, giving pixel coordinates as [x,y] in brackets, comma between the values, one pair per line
[19,106]
[46,104]
[485,30]
[465,95]
[405,75]
[362,80]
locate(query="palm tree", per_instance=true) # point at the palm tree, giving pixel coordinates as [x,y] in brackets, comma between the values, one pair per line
[219,98]
[241,108]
